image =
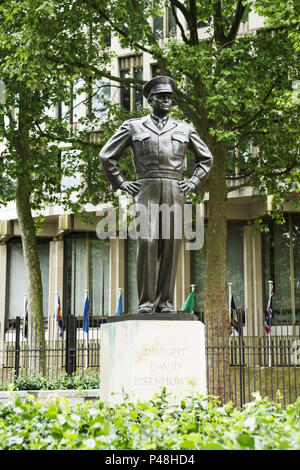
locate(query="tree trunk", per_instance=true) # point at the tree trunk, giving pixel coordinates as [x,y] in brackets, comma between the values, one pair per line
[36,334]
[215,303]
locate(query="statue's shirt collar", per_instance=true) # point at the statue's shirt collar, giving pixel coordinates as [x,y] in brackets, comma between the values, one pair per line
[158,121]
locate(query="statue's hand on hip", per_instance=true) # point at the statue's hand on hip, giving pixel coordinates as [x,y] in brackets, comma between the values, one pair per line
[130,187]
[186,187]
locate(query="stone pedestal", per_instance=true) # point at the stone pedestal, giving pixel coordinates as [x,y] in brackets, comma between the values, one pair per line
[142,353]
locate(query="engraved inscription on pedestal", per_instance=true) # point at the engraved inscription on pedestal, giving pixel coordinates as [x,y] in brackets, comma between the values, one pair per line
[164,367]
[141,357]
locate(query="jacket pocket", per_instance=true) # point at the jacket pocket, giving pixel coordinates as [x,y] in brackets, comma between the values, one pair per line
[141,143]
[179,143]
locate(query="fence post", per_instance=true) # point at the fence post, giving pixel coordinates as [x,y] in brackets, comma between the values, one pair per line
[71,345]
[17,348]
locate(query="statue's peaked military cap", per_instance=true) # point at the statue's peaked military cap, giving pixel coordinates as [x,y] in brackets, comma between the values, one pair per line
[159,84]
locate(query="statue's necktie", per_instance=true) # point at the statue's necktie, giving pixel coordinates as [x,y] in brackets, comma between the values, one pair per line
[160,123]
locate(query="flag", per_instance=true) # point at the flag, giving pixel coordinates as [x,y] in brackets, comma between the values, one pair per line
[25,331]
[120,305]
[188,306]
[234,316]
[86,315]
[59,317]
[269,312]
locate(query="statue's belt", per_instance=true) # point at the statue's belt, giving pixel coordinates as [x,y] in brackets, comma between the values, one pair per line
[173,175]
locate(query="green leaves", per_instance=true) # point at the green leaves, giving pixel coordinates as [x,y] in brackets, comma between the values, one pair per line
[239,89]
[36,381]
[159,424]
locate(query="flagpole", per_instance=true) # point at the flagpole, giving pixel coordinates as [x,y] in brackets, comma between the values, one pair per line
[54,334]
[192,290]
[269,335]
[229,296]
[49,327]
[229,305]
[30,352]
[24,320]
[120,302]
[119,294]
[86,337]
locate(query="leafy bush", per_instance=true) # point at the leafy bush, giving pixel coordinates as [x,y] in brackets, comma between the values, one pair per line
[36,381]
[159,424]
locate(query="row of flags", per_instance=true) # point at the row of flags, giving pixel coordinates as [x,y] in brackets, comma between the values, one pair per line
[58,316]
[188,307]
[235,322]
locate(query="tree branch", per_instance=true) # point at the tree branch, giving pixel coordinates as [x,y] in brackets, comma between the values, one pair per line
[260,111]
[182,8]
[272,174]
[122,32]
[239,12]
[245,184]
[275,174]
[219,24]
[137,8]
[193,22]
[184,37]
[98,72]
[54,138]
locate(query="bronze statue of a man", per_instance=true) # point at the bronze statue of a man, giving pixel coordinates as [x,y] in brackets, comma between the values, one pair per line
[159,144]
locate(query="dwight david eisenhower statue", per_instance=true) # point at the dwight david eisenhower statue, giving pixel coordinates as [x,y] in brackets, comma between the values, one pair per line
[159,145]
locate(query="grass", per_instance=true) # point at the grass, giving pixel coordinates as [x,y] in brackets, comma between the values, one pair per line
[280,383]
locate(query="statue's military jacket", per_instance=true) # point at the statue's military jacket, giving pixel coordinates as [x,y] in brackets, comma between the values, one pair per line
[156,153]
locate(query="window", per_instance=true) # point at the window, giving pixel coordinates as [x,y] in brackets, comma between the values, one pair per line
[86,269]
[131,95]
[74,109]
[154,70]
[125,91]
[64,110]
[101,95]
[238,157]
[70,178]
[107,40]
[138,91]
[165,25]
[234,268]
[235,263]
[131,294]
[17,279]
[78,105]
[281,257]
[171,23]
[158,26]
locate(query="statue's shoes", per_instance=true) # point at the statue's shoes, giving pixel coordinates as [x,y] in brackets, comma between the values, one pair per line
[145,310]
[167,310]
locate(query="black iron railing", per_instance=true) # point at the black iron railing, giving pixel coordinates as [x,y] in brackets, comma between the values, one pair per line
[241,362]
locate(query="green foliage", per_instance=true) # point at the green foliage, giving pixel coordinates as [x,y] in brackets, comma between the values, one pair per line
[35,381]
[194,423]
[238,89]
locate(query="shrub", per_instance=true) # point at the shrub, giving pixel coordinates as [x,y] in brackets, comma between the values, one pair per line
[159,424]
[35,381]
